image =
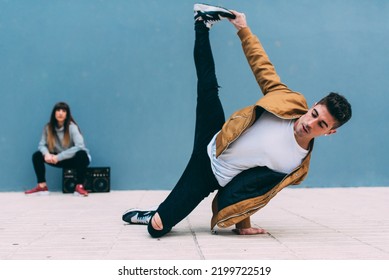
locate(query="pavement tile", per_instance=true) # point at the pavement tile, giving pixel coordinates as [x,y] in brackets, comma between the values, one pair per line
[302,224]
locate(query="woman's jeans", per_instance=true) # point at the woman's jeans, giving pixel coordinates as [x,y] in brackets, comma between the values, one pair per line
[79,162]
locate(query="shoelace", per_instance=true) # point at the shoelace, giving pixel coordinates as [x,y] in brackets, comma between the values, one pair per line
[143,218]
[210,17]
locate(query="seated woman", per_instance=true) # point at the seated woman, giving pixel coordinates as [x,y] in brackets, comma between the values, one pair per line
[62,145]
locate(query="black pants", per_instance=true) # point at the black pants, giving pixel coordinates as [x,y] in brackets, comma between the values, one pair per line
[79,162]
[198,180]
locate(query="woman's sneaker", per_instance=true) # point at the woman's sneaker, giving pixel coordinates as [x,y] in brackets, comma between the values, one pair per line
[211,14]
[38,191]
[80,191]
[138,216]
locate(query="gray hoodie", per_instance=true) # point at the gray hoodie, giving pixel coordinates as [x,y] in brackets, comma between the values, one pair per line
[76,143]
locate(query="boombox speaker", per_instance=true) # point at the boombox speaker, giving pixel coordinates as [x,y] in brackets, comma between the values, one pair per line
[97,179]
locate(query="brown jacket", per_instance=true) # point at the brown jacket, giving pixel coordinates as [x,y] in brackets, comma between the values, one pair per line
[279,100]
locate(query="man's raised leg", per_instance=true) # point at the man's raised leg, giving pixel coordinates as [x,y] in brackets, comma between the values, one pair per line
[197,181]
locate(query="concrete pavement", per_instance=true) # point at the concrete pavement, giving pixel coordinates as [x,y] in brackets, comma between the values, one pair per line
[302,224]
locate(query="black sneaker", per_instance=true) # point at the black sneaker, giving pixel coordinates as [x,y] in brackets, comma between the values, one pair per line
[211,14]
[138,216]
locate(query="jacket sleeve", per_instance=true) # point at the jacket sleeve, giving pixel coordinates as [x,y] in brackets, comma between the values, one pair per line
[42,146]
[263,70]
[246,223]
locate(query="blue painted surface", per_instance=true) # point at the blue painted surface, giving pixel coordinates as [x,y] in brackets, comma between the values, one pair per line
[126,69]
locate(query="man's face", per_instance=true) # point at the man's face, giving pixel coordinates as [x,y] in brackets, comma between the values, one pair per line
[316,122]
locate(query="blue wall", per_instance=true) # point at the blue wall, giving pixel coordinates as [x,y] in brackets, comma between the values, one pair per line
[126,69]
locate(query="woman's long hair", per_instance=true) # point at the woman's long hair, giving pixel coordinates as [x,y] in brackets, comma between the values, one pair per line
[52,124]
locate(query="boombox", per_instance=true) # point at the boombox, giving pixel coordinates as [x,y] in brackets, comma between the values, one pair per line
[97,179]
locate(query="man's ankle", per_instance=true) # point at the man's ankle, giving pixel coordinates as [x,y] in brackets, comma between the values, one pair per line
[200,26]
[156,222]
[157,233]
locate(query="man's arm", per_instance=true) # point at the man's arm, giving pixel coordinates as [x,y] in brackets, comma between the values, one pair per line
[244,228]
[263,70]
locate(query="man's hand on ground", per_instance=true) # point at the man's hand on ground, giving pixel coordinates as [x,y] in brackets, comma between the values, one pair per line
[249,231]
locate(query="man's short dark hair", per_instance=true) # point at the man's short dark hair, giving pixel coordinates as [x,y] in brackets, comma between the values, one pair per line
[338,106]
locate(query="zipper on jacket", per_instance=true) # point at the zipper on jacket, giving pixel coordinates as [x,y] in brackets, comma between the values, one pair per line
[241,214]
[244,128]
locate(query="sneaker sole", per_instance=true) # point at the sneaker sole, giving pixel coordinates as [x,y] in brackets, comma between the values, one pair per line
[38,193]
[209,8]
[78,194]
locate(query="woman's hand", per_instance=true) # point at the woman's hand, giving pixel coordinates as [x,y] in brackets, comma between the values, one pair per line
[54,159]
[50,158]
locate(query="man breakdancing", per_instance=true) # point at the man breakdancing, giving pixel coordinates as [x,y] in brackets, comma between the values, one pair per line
[250,157]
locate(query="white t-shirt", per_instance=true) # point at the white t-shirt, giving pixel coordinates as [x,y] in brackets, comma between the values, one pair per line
[268,142]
